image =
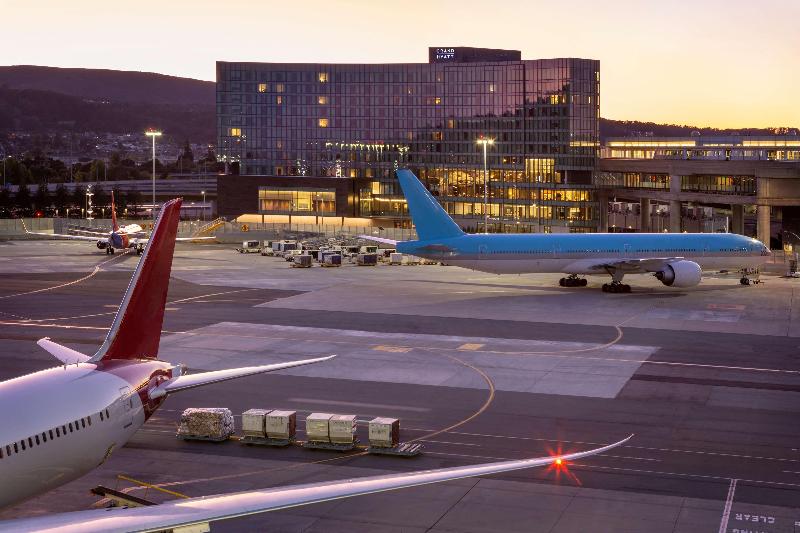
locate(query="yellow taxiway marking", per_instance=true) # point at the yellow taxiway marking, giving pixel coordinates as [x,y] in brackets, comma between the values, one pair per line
[150,486]
[392,349]
[471,346]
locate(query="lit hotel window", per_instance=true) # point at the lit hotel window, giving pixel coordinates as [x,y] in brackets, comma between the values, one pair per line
[279,100]
[262,87]
[236,132]
[322,100]
[491,87]
[323,122]
[437,101]
[279,88]
[322,77]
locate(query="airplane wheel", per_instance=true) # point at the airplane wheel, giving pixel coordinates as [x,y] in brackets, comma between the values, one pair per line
[744,281]
[584,282]
[562,282]
[111,250]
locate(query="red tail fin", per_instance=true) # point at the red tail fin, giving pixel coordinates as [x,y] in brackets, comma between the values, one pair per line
[136,330]
[113,214]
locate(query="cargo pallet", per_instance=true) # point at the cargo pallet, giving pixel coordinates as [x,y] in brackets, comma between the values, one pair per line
[208,438]
[337,447]
[405,449]
[266,441]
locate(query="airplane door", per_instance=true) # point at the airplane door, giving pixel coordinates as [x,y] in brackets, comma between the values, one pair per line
[126,406]
[627,250]
[483,251]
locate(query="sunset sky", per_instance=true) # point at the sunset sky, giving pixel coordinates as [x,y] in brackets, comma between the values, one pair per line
[723,63]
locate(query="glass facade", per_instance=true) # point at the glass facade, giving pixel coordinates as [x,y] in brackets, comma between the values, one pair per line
[365,121]
[298,201]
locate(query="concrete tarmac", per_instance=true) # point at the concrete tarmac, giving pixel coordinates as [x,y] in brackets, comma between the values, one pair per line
[708,380]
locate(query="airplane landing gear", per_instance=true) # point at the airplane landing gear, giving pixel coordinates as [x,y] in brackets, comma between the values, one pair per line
[109,250]
[572,281]
[616,287]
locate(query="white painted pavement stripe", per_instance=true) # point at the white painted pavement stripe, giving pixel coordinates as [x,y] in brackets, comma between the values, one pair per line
[726,513]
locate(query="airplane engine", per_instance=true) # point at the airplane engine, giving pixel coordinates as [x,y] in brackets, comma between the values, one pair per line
[680,274]
[102,245]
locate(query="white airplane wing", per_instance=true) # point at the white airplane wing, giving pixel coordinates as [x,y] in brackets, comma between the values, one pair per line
[62,353]
[199,512]
[379,239]
[65,236]
[190,381]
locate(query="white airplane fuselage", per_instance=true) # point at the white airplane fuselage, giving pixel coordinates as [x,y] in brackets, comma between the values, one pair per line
[58,424]
[581,253]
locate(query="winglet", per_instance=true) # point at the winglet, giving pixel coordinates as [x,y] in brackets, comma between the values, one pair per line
[136,330]
[431,220]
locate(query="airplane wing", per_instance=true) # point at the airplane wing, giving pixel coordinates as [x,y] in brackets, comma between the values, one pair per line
[62,353]
[198,512]
[205,378]
[379,239]
[64,236]
[178,239]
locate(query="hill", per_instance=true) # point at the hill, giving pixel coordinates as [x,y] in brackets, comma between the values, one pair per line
[36,111]
[110,85]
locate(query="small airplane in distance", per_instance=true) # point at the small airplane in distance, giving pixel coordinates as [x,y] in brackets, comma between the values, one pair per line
[675,259]
[119,238]
[67,420]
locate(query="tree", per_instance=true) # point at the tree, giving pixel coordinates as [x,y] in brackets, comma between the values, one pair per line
[23,198]
[101,197]
[79,197]
[5,198]
[133,199]
[61,197]
[41,199]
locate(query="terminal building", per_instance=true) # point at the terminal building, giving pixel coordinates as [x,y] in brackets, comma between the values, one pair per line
[319,143]
[679,182]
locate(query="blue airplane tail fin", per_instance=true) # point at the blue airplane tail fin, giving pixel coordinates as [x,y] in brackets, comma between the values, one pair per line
[431,220]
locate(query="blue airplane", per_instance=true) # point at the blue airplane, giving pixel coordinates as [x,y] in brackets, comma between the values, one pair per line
[676,259]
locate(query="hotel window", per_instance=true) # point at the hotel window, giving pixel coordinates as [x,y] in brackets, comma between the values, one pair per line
[437,100]
[322,123]
[322,77]
[279,88]
[235,132]
[491,87]
[262,87]
[322,100]
[279,100]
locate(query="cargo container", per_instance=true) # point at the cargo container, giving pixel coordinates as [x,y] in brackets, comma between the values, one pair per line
[317,427]
[396,259]
[207,423]
[384,432]
[410,260]
[342,429]
[250,247]
[281,424]
[332,260]
[301,261]
[367,259]
[253,422]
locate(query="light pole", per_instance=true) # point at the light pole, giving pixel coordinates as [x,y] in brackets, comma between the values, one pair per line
[485,142]
[154,134]
[204,204]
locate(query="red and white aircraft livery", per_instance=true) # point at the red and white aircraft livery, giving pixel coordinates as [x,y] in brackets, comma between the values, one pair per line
[58,424]
[63,422]
[119,238]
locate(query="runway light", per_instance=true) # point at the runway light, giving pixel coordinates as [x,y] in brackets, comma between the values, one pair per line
[559,461]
